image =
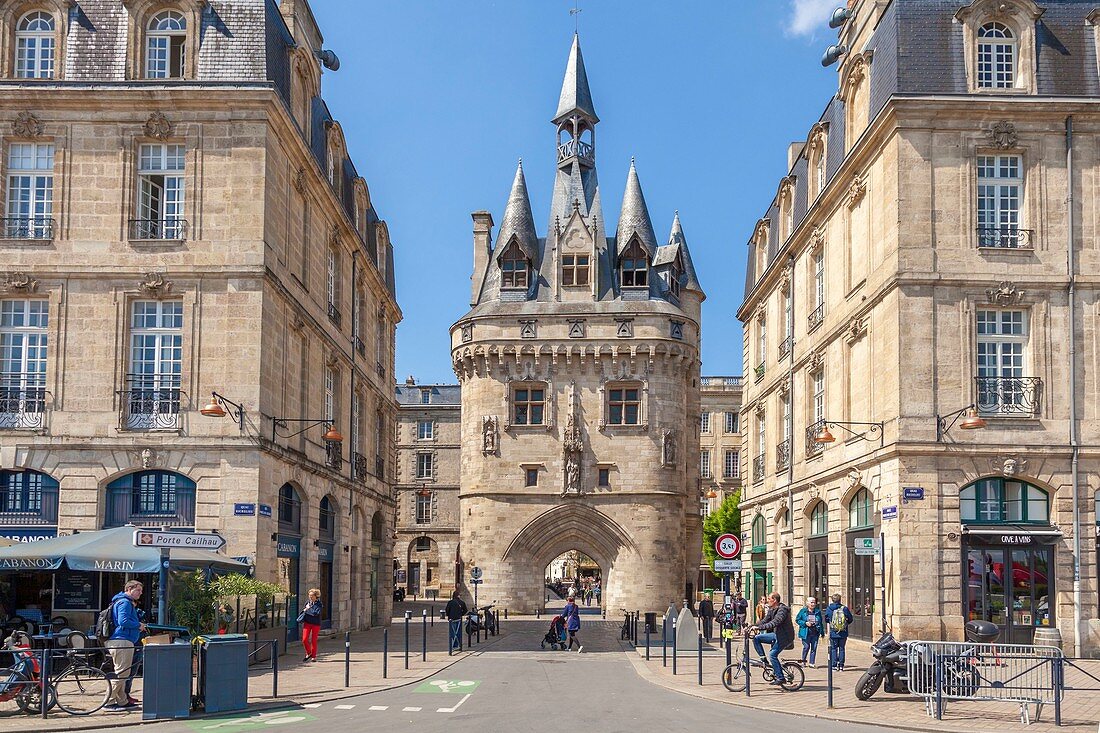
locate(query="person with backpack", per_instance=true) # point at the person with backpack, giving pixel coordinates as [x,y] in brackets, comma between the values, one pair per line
[120,627]
[840,618]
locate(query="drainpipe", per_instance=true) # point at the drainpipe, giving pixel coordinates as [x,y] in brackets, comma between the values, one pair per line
[790,396]
[1075,448]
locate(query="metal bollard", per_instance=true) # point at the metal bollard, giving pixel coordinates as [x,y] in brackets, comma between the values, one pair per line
[830,678]
[347,659]
[939,687]
[44,700]
[748,677]
[408,615]
[385,651]
[647,642]
[700,659]
[275,669]
[729,652]
[538,613]
[1059,671]
[664,642]
[424,637]
[673,647]
[432,614]
[636,614]
[506,614]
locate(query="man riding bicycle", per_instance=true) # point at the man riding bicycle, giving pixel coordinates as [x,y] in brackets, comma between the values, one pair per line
[778,630]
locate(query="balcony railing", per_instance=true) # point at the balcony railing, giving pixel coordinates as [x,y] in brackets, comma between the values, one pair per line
[813,448]
[1011,396]
[150,402]
[26,508]
[759,371]
[334,314]
[816,318]
[361,347]
[758,469]
[26,227]
[722,381]
[334,456]
[1004,238]
[22,400]
[359,466]
[153,229]
[785,348]
[127,506]
[783,456]
[579,148]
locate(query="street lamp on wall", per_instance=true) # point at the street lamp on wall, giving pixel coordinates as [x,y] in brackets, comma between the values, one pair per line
[220,406]
[971,420]
[332,435]
[824,436]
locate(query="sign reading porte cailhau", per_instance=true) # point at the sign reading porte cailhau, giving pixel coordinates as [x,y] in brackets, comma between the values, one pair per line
[146,538]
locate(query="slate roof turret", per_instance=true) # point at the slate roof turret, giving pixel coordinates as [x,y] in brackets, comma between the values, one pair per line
[575,94]
[634,218]
[518,220]
[677,239]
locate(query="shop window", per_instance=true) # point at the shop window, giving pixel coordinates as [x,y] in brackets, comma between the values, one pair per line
[151,497]
[819,520]
[998,501]
[29,493]
[861,510]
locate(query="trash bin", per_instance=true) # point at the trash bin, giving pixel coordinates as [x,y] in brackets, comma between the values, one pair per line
[223,672]
[166,690]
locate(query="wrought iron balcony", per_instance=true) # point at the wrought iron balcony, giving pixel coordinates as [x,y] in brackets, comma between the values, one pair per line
[334,314]
[816,318]
[361,347]
[359,466]
[130,506]
[783,456]
[785,348]
[334,455]
[571,148]
[154,229]
[758,469]
[26,227]
[1004,237]
[1010,396]
[26,507]
[150,402]
[813,448]
[22,400]
[759,371]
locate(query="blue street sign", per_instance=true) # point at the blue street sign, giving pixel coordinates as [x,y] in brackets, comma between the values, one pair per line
[890,512]
[244,510]
[265,510]
[912,493]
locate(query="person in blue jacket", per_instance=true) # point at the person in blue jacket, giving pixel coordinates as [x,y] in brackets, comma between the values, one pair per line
[120,645]
[839,618]
[811,625]
[571,614]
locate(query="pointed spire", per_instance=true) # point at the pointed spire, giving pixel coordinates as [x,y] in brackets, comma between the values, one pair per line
[677,239]
[575,94]
[518,220]
[634,219]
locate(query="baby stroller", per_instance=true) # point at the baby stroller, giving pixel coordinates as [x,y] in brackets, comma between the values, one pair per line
[555,636]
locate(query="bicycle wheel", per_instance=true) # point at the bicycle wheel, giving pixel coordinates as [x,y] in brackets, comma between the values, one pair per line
[733,677]
[82,690]
[30,699]
[793,677]
[13,685]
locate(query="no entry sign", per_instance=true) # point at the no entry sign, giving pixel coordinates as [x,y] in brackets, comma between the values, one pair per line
[728,546]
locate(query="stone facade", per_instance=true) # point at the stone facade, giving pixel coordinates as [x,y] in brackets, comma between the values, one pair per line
[207,233]
[719,451]
[914,265]
[429,447]
[579,366]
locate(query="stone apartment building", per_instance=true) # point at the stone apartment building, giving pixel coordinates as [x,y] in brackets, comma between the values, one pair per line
[919,315]
[197,308]
[429,451]
[579,368]
[719,450]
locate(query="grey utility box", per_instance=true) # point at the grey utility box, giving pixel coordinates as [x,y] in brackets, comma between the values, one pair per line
[166,687]
[224,681]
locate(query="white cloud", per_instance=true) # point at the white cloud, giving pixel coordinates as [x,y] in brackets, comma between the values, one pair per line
[809,15]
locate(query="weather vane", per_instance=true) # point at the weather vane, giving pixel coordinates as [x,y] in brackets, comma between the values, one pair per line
[575,11]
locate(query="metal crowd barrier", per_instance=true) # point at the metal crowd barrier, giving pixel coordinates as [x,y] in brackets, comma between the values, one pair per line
[1022,674]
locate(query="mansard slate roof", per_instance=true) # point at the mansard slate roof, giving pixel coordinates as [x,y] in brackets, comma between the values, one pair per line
[408,395]
[918,50]
[575,94]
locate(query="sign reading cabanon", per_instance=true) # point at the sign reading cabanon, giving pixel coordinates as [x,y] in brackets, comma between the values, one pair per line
[146,538]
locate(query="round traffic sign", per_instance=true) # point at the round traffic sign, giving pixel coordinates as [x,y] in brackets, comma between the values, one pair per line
[728,546]
[475,573]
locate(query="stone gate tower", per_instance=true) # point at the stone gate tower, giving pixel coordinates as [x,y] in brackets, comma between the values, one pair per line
[579,364]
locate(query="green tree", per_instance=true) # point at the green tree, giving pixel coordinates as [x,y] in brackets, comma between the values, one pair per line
[726,518]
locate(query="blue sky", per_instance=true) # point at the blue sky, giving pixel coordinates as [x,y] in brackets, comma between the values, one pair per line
[438,99]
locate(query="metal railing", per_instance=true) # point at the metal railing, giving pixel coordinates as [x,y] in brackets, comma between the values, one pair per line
[150,402]
[812,446]
[26,227]
[22,400]
[579,148]
[334,314]
[334,455]
[759,371]
[361,347]
[758,469]
[1009,395]
[816,318]
[154,229]
[28,508]
[124,506]
[721,381]
[1005,237]
[785,348]
[359,465]
[783,456]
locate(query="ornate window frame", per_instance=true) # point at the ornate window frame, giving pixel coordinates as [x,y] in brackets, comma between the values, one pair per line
[141,13]
[785,201]
[854,93]
[548,404]
[1020,17]
[816,160]
[623,379]
[9,20]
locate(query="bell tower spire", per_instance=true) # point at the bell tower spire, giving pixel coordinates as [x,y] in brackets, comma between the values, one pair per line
[576,116]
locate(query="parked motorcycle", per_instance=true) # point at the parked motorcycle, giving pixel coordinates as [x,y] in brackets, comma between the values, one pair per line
[890,666]
[475,623]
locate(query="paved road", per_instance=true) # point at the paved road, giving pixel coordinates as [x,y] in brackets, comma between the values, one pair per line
[513,686]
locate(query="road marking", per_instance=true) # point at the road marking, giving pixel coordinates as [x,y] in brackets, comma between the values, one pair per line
[312,705]
[451,710]
[344,707]
[379,707]
[411,710]
[252,721]
[454,687]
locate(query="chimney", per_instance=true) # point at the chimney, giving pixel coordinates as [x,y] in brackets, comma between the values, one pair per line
[793,151]
[483,239]
[410,381]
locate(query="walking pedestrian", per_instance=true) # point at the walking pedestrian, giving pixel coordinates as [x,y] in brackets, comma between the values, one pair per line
[761,609]
[572,615]
[456,611]
[120,645]
[811,622]
[706,616]
[310,619]
[839,618]
[740,611]
[137,667]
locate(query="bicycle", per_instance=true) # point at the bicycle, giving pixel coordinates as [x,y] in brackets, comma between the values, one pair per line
[735,676]
[79,689]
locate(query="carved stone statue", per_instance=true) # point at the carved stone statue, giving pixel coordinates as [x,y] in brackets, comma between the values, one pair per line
[489,434]
[668,448]
[572,474]
[572,446]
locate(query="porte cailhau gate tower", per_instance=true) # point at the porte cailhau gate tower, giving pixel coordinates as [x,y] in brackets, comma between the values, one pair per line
[579,365]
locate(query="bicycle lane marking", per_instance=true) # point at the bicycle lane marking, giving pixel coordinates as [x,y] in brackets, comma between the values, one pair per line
[250,721]
[465,688]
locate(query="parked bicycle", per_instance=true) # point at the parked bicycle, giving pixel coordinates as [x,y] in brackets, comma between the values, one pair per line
[735,676]
[76,686]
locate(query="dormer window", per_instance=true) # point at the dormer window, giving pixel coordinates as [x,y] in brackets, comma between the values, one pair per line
[996,57]
[634,266]
[165,46]
[34,46]
[574,269]
[674,275]
[513,269]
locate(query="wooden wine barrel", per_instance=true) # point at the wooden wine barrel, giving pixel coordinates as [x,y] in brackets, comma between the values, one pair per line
[1047,636]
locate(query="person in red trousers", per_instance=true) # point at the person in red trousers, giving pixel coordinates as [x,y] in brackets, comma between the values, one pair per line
[310,618]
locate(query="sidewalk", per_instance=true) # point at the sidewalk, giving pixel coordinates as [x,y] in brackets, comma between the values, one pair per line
[1080,710]
[304,682]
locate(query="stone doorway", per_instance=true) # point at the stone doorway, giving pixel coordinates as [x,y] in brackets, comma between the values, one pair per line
[573,570]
